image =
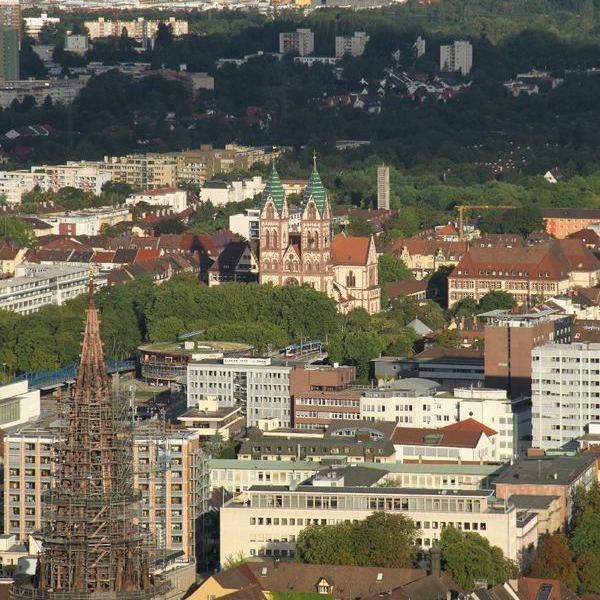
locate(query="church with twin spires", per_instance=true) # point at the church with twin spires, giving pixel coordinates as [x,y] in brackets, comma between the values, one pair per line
[306,252]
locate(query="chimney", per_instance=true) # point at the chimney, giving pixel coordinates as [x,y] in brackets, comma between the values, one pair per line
[435,556]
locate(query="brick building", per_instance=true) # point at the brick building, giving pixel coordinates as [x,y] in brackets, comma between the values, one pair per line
[322,394]
[509,340]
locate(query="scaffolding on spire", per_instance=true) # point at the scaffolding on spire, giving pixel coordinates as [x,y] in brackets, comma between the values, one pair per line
[93,543]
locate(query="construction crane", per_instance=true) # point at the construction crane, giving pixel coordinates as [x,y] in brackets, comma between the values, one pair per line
[460,209]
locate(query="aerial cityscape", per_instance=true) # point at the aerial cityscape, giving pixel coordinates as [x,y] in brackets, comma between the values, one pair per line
[300,299]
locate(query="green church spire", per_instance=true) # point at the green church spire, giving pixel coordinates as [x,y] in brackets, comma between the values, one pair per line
[274,189]
[315,188]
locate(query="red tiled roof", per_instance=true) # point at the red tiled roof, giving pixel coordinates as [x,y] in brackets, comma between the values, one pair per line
[418,436]
[103,257]
[470,425]
[144,254]
[578,255]
[64,243]
[349,250]
[554,261]
[447,229]
[587,235]
[406,287]
[9,252]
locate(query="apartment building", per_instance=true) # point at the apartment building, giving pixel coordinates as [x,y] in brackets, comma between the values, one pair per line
[87,177]
[246,224]
[422,403]
[260,385]
[142,171]
[530,273]
[140,29]
[34,286]
[266,520]
[509,340]
[321,395]
[301,42]
[354,45]
[237,475]
[60,91]
[457,57]
[565,392]
[34,25]
[169,470]
[220,193]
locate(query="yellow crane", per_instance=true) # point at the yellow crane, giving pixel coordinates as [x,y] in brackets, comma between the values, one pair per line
[460,209]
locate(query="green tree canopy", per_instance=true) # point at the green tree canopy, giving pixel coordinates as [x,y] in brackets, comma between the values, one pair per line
[468,557]
[380,540]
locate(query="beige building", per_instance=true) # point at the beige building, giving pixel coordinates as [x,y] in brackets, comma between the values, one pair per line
[266,520]
[236,475]
[534,272]
[170,471]
[139,29]
[425,256]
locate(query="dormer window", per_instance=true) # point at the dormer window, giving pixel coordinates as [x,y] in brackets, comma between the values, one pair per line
[323,587]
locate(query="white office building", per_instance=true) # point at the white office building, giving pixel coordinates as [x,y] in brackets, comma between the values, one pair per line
[301,41]
[354,45]
[18,404]
[457,57]
[37,285]
[170,198]
[219,193]
[423,403]
[266,520]
[565,392]
[261,385]
[246,224]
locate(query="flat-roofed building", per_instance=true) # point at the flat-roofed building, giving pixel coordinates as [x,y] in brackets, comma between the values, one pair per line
[509,340]
[266,520]
[565,392]
[18,404]
[35,286]
[556,476]
[423,403]
[260,385]
[169,468]
[236,475]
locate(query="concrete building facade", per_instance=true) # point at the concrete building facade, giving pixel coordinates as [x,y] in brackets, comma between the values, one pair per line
[354,45]
[172,499]
[565,392]
[457,57]
[301,41]
[269,519]
[260,385]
